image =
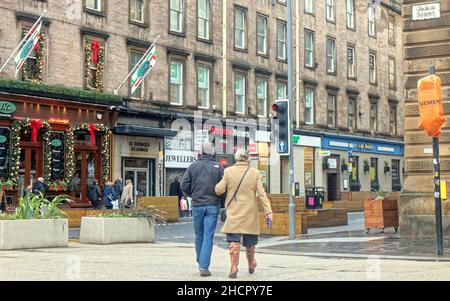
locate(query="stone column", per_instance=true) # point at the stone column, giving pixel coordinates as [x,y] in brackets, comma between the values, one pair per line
[426,43]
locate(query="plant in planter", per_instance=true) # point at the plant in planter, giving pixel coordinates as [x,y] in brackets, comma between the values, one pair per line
[36,223]
[380,212]
[58,186]
[7,185]
[124,226]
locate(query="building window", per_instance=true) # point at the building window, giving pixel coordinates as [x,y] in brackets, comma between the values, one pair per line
[239,93]
[309,6]
[176,83]
[203,19]
[374,183]
[261,35]
[94,64]
[308,166]
[262,98]
[33,68]
[351,14]
[203,76]
[137,10]
[309,49]
[134,59]
[281,41]
[393,120]
[331,56]
[94,4]
[391,29]
[395,174]
[373,117]
[239,28]
[351,62]
[176,15]
[392,74]
[371,21]
[353,162]
[309,106]
[331,108]
[281,91]
[373,68]
[352,113]
[330,10]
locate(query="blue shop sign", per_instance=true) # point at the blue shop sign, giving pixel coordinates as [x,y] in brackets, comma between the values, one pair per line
[352,145]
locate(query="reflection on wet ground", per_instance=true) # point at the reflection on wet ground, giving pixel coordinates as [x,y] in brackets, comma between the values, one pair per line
[359,243]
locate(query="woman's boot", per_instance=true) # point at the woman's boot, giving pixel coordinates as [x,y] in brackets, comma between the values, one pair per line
[251,259]
[235,248]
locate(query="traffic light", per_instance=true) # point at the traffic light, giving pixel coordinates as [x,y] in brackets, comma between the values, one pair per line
[281,109]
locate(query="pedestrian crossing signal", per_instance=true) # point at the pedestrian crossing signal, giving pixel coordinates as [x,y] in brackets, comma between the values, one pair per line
[281,109]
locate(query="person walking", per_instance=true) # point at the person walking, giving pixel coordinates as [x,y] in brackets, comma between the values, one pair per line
[175,190]
[199,183]
[94,194]
[242,183]
[126,200]
[109,195]
[39,186]
[118,187]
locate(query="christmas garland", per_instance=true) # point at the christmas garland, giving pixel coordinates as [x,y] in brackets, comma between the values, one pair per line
[27,73]
[70,159]
[17,127]
[98,61]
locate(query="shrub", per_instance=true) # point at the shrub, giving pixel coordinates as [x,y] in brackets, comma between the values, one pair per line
[33,206]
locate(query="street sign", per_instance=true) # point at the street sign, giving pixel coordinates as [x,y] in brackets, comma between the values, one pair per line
[296,139]
[324,153]
[426,11]
[282,146]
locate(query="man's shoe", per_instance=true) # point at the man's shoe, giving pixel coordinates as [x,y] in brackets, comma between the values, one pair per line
[205,273]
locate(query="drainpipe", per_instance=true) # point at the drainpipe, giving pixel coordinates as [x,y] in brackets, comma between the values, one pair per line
[297,59]
[224,59]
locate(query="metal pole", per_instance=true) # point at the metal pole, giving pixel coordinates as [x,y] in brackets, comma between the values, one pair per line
[437,191]
[291,113]
[116,91]
[23,40]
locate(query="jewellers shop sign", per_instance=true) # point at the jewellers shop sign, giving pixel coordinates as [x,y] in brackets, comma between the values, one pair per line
[179,159]
[426,11]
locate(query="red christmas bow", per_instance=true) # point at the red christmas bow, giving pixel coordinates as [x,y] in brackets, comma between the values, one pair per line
[92,130]
[95,45]
[35,126]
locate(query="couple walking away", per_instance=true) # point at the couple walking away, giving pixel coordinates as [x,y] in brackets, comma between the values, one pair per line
[205,181]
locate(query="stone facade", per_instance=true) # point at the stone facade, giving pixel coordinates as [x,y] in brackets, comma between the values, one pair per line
[425,45]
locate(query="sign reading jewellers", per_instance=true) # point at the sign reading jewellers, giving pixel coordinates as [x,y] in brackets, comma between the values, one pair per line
[356,144]
[179,158]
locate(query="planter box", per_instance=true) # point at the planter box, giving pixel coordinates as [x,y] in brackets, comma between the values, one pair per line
[381,214]
[102,231]
[32,234]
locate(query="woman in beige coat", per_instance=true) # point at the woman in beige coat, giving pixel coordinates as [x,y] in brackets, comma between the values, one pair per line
[242,209]
[126,200]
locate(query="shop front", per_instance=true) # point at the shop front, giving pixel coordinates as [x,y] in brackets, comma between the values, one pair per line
[138,157]
[66,143]
[307,158]
[357,164]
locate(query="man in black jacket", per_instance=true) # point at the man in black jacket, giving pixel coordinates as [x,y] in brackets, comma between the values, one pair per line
[199,182]
[94,195]
[175,190]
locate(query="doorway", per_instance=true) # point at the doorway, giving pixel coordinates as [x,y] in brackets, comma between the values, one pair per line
[30,164]
[88,168]
[142,173]
[332,186]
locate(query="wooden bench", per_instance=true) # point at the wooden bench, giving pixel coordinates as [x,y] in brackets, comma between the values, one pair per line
[280,225]
[326,217]
[168,205]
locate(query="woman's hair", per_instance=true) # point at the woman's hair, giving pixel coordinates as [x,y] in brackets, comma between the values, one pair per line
[128,182]
[241,155]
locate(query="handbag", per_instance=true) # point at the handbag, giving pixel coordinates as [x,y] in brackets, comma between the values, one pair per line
[223,216]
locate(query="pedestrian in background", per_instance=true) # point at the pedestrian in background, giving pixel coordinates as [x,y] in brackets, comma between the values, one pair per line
[126,200]
[175,190]
[39,186]
[94,194]
[242,183]
[118,186]
[199,183]
[109,195]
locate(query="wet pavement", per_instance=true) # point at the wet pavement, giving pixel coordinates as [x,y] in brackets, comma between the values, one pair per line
[344,241]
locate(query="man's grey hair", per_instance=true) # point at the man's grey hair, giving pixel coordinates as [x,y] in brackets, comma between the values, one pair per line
[241,155]
[208,148]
